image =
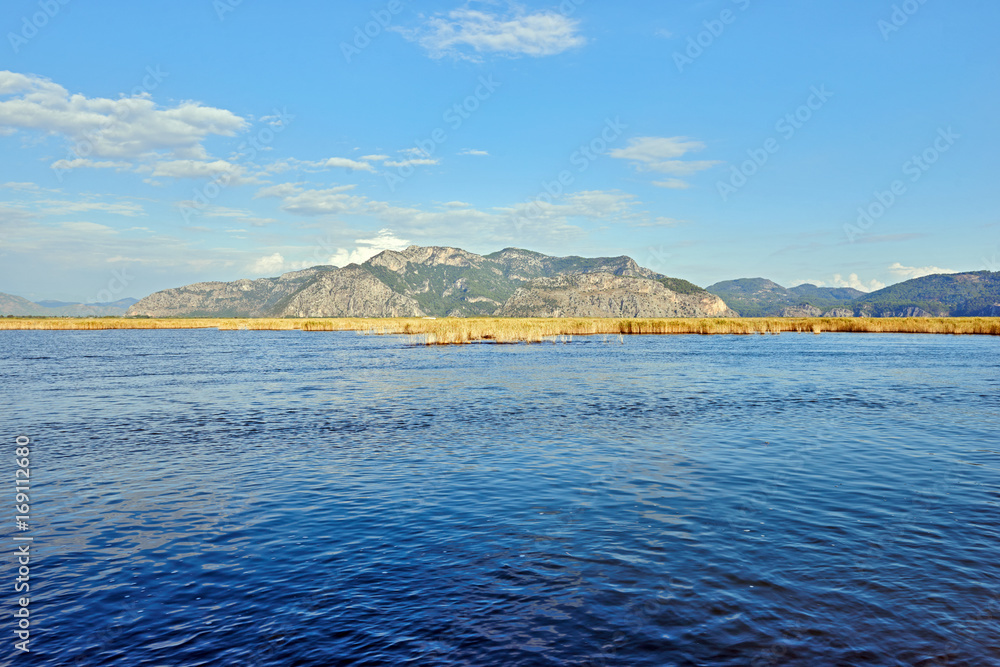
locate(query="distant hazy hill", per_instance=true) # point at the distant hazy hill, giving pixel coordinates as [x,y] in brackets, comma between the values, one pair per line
[759,297]
[956,294]
[437,281]
[15,305]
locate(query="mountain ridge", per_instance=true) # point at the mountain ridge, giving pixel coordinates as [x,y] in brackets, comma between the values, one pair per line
[423,281]
[969,294]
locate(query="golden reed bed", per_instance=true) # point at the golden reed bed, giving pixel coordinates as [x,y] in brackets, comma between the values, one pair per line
[457,330]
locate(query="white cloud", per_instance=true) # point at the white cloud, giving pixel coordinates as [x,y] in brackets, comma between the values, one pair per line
[287,164]
[419,161]
[268,265]
[297,200]
[470,34]
[374,158]
[347,163]
[125,128]
[58,207]
[415,152]
[673,184]
[275,121]
[523,222]
[231,174]
[657,153]
[851,281]
[660,154]
[473,151]
[12,185]
[90,164]
[87,227]
[910,272]
[368,248]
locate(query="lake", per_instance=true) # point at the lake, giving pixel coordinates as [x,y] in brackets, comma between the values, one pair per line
[209,497]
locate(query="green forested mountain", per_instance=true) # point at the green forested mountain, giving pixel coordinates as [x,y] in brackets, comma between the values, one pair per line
[955,294]
[759,297]
[439,281]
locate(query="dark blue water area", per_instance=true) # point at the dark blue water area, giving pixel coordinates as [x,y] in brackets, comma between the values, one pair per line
[289,498]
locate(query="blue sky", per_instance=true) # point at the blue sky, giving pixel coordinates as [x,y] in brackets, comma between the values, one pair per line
[154,144]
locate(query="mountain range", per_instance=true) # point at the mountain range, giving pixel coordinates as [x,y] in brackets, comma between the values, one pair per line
[441,281]
[15,305]
[438,282]
[948,294]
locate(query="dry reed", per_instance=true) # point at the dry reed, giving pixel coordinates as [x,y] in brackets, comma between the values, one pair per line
[457,330]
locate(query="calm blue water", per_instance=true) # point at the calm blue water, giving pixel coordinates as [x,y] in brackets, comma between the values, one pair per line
[289,498]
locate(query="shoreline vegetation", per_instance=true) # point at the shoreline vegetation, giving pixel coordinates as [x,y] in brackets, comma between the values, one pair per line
[461,330]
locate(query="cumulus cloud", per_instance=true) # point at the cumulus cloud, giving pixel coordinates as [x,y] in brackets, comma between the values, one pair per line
[851,281]
[910,272]
[386,239]
[268,265]
[127,128]
[470,34]
[661,154]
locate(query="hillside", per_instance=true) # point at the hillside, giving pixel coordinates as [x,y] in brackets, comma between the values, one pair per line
[949,294]
[955,294]
[759,297]
[438,281]
[17,306]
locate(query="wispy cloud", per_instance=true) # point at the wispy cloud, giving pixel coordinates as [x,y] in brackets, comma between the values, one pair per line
[661,155]
[910,272]
[470,34]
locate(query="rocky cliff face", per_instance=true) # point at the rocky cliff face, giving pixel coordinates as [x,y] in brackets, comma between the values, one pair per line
[240,298]
[348,292]
[607,295]
[447,282]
